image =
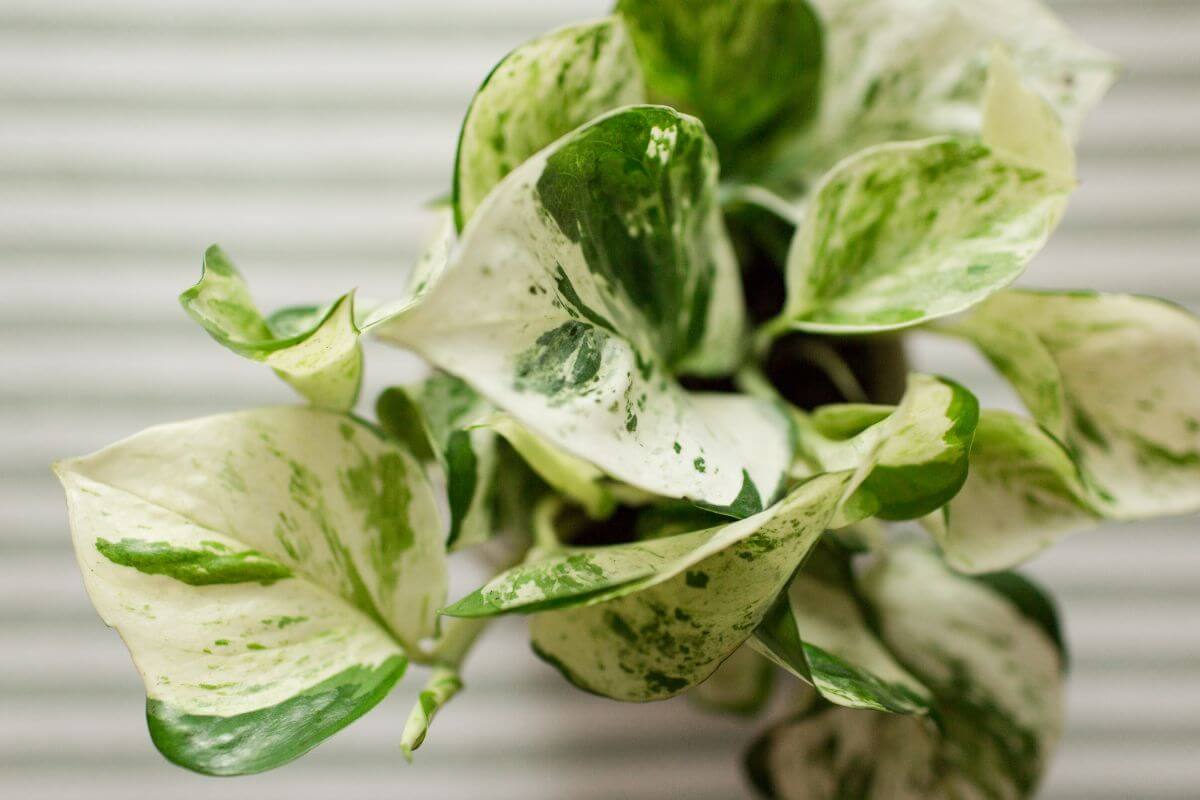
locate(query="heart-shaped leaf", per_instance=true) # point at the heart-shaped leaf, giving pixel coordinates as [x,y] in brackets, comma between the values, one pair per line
[593,274]
[268,571]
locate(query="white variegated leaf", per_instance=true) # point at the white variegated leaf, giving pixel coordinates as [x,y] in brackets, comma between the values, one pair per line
[658,635]
[314,350]
[593,274]
[268,570]
[1113,381]
[817,632]
[537,93]
[905,232]
[989,653]
[900,70]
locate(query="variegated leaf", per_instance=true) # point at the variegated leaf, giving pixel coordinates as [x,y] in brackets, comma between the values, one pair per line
[654,637]
[994,669]
[817,632]
[268,571]
[594,272]
[316,350]
[909,460]
[899,70]
[537,93]
[1023,493]
[905,232]
[1113,382]
[443,684]
[750,69]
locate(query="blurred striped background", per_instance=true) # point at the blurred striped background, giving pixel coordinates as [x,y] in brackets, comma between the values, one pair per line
[305,138]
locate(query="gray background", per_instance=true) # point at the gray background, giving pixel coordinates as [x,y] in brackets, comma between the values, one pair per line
[305,137]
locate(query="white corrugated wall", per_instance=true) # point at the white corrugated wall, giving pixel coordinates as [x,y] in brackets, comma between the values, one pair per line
[305,138]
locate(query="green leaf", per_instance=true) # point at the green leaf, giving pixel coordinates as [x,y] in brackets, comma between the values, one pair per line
[908,460]
[740,685]
[593,274]
[1112,382]
[656,636]
[901,70]
[995,675]
[750,70]
[537,93]
[268,570]
[817,632]
[314,350]
[439,417]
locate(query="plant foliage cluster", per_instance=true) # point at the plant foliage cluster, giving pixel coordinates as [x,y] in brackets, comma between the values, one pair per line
[668,402]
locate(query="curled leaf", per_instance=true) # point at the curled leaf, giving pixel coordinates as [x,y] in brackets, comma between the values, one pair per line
[314,350]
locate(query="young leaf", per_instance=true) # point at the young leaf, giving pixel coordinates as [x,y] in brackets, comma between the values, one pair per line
[593,273]
[443,684]
[1112,380]
[268,571]
[316,351]
[750,70]
[817,632]
[899,70]
[995,676]
[909,460]
[537,93]
[656,637]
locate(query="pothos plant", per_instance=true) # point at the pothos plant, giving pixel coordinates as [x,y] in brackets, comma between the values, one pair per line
[668,405]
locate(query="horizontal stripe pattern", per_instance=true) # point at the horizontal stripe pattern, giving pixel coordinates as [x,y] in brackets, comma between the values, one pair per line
[306,139]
